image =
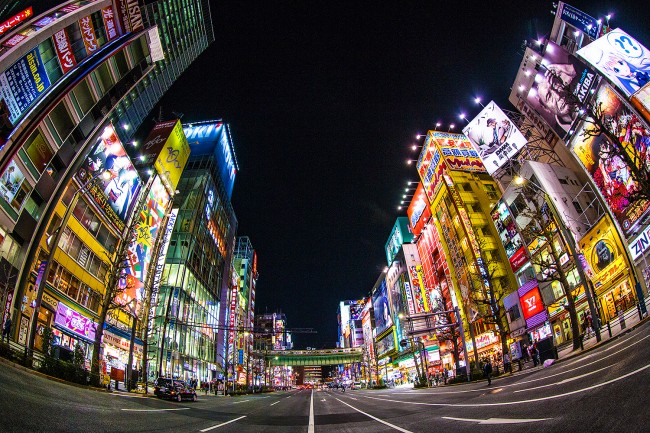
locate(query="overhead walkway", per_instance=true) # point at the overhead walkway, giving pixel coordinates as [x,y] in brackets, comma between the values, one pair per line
[311,357]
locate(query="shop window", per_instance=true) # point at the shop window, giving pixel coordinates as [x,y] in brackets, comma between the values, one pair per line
[62,120]
[102,271]
[83,96]
[73,289]
[38,150]
[64,280]
[75,247]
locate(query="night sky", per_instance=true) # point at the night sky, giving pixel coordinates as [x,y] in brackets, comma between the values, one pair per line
[324,100]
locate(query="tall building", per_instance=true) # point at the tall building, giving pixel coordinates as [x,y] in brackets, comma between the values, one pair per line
[77,82]
[349,323]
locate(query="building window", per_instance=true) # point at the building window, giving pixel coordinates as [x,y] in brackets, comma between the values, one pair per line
[62,120]
[38,150]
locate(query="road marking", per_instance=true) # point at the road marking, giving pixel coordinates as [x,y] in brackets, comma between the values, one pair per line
[353,398]
[310,429]
[562,382]
[222,424]
[243,401]
[154,410]
[275,403]
[496,420]
[376,419]
[127,395]
[511,403]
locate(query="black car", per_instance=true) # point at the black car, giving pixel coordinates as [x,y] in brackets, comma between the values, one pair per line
[174,390]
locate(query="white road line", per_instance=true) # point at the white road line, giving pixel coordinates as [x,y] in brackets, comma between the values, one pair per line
[275,403]
[310,428]
[243,401]
[154,410]
[511,403]
[376,419]
[496,420]
[222,424]
[562,382]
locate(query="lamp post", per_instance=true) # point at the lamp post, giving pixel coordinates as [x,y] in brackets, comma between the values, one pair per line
[52,243]
[570,241]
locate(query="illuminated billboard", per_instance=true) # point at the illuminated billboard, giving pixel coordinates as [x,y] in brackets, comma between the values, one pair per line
[121,188]
[418,211]
[398,236]
[532,305]
[150,217]
[88,34]
[456,150]
[23,83]
[213,137]
[167,148]
[10,184]
[560,69]
[64,51]
[495,137]
[580,20]
[620,58]
[611,175]
[381,306]
[15,20]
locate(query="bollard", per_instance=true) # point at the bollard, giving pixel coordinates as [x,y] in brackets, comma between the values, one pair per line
[609,328]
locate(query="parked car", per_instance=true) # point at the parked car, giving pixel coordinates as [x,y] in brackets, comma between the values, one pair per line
[174,390]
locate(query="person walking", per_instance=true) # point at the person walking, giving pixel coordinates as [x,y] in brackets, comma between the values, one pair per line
[506,363]
[487,369]
[6,330]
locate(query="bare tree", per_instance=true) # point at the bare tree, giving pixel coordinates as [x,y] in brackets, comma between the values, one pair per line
[487,290]
[540,226]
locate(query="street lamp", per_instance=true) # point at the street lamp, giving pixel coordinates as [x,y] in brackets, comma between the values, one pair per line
[52,243]
[570,241]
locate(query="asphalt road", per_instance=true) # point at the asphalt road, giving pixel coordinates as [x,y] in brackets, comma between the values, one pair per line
[603,390]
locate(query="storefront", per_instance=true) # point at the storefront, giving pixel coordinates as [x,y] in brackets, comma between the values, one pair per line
[116,346]
[72,328]
[488,346]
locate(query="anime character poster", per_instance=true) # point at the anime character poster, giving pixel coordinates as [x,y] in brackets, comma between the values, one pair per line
[383,318]
[622,59]
[610,173]
[122,186]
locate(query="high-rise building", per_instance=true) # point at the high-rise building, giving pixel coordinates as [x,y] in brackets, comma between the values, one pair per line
[76,83]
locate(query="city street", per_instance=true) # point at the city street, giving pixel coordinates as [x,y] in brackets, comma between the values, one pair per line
[574,395]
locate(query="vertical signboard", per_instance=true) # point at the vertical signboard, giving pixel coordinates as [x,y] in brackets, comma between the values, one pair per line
[88,34]
[129,15]
[64,51]
[166,146]
[109,23]
[15,20]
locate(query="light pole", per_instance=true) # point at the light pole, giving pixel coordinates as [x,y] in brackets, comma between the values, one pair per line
[53,243]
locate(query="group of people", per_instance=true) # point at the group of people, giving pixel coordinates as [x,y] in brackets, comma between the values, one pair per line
[438,377]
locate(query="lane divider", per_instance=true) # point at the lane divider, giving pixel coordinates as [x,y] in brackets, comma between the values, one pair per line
[375,418]
[222,424]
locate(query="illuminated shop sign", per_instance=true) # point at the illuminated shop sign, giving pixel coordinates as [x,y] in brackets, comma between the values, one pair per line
[23,83]
[15,20]
[418,211]
[580,20]
[383,317]
[74,322]
[456,150]
[532,305]
[640,244]
[129,15]
[160,265]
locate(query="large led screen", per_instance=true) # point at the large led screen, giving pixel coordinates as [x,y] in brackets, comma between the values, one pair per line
[383,318]
[611,175]
[623,60]
[548,97]
[494,136]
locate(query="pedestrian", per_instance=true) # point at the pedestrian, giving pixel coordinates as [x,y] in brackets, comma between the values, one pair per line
[6,331]
[590,323]
[535,354]
[487,369]
[506,363]
[445,375]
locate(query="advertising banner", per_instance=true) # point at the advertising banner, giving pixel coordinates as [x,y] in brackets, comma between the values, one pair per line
[532,304]
[399,235]
[15,20]
[610,174]
[160,265]
[418,211]
[383,317]
[109,22]
[121,188]
[150,217]
[129,15]
[74,322]
[547,96]
[64,51]
[10,182]
[580,20]
[214,138]
[510,238]
[167,146]
[431,167]
[456,150]
[494,136]
[88,34]
[386,345]
[23,83]
[620,58]
[641,101]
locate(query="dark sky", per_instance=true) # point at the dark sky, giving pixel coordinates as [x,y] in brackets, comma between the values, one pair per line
[324,100]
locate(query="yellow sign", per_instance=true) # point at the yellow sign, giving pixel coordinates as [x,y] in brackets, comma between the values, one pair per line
[49,300]
[173,157]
